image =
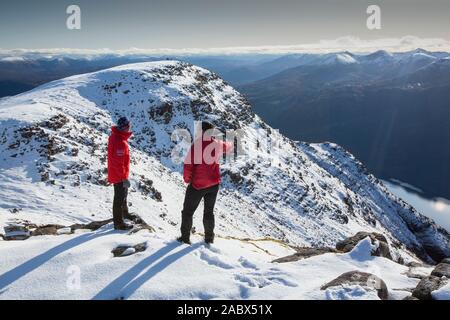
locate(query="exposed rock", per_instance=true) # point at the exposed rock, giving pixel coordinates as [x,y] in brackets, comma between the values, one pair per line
[441,270]
[362,279]
[139,223]
[94,225]
[16,232]
[50,229]
[162,112]
[65,230]
[55,122]
[415,264]
[125,250]
[147,188]
[304,253]
[426,286]
[446,260]
[348,244]
[236,178]
[26,229]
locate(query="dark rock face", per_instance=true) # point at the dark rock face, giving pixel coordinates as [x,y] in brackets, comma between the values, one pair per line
[441,270]
[363,279]
[348,244]
[304,253]
[123,251]
[426,286]
[437,253]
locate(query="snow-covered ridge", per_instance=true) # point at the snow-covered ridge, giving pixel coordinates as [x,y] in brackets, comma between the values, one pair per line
[53,152]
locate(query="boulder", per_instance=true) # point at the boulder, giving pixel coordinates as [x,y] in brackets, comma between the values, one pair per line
[441,270]
[126,250]
[348,244]
[426,286]
[363,279]
[304,253]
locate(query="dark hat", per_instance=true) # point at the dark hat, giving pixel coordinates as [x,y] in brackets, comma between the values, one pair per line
[123,123]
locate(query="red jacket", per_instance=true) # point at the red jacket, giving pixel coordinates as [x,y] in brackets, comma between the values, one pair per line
[118,156]
[201,166]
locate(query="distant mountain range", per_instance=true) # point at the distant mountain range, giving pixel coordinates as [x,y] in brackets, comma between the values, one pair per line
[19,73]
[391,110]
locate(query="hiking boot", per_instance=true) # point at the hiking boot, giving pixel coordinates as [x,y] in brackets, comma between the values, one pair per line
[129,216]
[123,226]
[183,240]
[209,240]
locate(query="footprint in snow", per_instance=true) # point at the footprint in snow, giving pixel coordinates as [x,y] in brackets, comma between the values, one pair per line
[215,261]
[247,263]
[261,279]
[252,281]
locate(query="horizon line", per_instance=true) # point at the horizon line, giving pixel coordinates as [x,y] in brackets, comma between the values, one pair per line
[346,43]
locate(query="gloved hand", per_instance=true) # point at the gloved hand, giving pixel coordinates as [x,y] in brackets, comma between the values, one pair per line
[126,183]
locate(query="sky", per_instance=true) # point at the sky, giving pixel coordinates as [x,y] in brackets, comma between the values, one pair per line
[176,24]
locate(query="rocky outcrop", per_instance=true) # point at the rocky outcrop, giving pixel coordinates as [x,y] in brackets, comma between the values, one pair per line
[50,229]
[439,277]
[16,232]
[377,239]
[304,253]
[363,279]
[25,229]
[127,250]
[426,286]
[442,270]
[94,225]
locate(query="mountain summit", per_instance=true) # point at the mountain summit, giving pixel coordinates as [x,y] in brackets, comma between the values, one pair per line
[53,157]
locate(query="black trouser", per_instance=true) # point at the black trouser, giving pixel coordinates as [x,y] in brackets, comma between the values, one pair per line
[120,205]
[191,201]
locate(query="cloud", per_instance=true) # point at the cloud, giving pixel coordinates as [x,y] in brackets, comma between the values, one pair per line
[347,43]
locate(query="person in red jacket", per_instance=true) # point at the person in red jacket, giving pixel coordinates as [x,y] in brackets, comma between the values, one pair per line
[118,171]
[202,174]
